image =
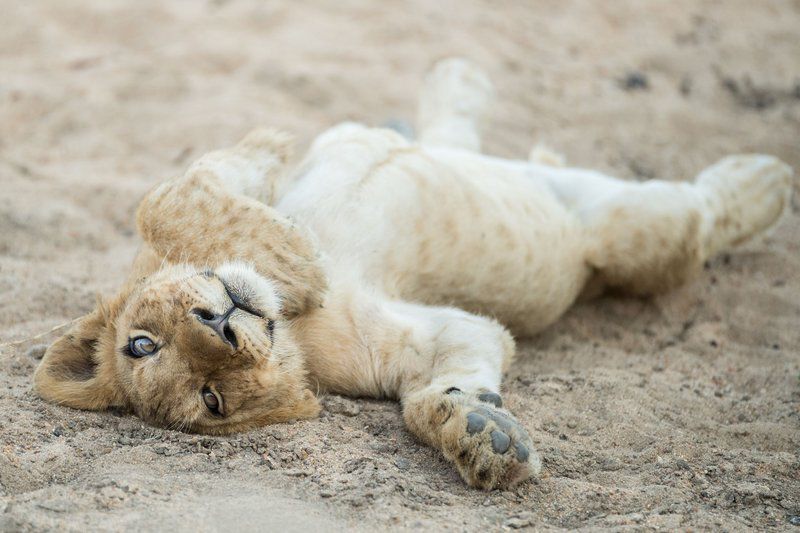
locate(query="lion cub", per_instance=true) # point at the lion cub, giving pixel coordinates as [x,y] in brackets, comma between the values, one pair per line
[372,268]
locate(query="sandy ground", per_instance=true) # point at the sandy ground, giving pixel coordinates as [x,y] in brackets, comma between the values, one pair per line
[682,412]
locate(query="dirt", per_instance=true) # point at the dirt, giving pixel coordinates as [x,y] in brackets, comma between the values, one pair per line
[677,412]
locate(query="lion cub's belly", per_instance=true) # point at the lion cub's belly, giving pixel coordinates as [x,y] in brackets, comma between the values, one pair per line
[443,227]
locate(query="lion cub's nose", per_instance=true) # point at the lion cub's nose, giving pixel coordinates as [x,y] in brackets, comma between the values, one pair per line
[219,323]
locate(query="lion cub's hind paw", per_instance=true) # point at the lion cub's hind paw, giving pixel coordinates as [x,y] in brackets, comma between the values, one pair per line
[747,194]
[486,443]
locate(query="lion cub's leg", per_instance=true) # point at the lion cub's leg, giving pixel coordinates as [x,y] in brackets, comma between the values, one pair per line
[209,217]
[455,405]
[254,167]
[452,102]
[648,237]
[442,363]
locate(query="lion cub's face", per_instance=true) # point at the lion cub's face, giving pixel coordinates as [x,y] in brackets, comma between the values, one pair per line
[200,351]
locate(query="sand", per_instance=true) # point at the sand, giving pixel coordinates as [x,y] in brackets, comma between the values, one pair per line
[682,411]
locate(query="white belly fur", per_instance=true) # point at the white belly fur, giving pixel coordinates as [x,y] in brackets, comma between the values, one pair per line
[440,226]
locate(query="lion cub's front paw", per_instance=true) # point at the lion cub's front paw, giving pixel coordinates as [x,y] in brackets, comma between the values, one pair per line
[486,443]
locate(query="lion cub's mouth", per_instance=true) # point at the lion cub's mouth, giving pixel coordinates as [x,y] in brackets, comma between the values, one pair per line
[241,302]
[238,295]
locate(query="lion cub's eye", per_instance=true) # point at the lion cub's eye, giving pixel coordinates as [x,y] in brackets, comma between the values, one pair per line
[141,346]
[212,401]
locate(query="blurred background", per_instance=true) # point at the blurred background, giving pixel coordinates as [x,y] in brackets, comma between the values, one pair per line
[678,412]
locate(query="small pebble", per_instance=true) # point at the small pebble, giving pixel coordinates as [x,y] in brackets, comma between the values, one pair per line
[686,86]
[298,472]
[635,81]
[518,522]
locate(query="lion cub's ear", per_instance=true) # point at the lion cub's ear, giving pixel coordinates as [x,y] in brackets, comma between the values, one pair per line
[76,370]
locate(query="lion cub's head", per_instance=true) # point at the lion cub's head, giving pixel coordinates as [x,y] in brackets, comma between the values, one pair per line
[196,350]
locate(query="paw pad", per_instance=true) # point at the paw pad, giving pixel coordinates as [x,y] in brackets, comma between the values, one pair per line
[500,441]
[522,452]
[492,398]
[475,423]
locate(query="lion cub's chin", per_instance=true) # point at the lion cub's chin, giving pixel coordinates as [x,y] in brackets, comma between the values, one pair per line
[203,351]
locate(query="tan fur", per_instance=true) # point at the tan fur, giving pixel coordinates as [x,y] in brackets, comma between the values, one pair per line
[262,382]
[218,223]
[380,262]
